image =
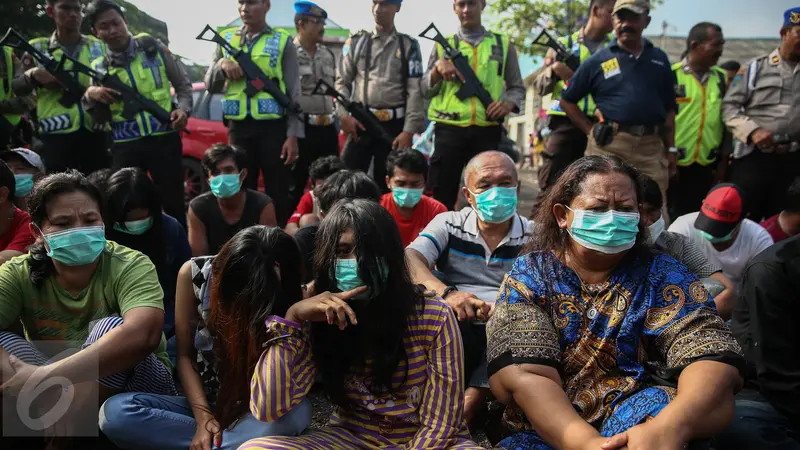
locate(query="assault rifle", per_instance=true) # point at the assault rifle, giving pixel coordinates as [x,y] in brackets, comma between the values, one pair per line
[73,89]
[472,86]
[134,102]
[372,125]
[257,81]
[562,53]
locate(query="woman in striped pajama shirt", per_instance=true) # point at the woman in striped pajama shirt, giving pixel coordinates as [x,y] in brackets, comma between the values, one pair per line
[390,355]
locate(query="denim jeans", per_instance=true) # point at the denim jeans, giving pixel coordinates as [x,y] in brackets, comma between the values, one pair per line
[757,425]
[161,422]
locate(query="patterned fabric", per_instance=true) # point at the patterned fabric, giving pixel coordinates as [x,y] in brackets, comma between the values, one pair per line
[203,341]
[55,123]
[426,412]
[683,249]
[652,317]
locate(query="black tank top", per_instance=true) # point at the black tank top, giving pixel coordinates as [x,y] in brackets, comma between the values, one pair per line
[218,232]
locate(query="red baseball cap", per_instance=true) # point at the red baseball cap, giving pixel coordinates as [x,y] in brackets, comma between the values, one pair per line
[722,210]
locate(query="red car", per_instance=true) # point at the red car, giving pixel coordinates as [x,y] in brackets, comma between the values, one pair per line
[206,129]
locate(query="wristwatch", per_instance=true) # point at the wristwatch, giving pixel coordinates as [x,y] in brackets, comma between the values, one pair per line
[448,290]
[673,150]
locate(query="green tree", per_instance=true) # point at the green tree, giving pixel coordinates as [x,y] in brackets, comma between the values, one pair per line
[522,19]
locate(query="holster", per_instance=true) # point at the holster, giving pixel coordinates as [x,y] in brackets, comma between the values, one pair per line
[603,133]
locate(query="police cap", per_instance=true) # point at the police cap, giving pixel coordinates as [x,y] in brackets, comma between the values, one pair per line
[305,8]
[792,17]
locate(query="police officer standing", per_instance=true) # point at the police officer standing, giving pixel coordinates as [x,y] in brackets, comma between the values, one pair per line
[566,142]
[70,139]
[316,62]
[380,69]
[466,128]
[761,110]
[143,63]
[699,130]
[260,125]
[11,106]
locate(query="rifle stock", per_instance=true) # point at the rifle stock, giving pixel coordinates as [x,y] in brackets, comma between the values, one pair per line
[73,90]
[256,80]
[564,55]
[372,125]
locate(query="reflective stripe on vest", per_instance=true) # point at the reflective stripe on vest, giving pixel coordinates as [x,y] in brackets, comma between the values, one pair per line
[578,49]
[267,53]
[698,126]
[148,75]
[485,61]
[53,117]
[5,86]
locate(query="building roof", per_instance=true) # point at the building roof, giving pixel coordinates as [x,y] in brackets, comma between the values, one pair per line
[281,16]
[737,49]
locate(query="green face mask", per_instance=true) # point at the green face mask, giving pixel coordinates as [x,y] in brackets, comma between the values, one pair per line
[718,240]
[76,246]
[348,278]
[135,227]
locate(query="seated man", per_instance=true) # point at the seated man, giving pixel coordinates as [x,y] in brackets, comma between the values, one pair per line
[682,248]
[28,169]
[765,324]
[406,174]
[214,217]
[473,249]
[307,211]
[15,224]
[343,184]
[721,230]
[786,223]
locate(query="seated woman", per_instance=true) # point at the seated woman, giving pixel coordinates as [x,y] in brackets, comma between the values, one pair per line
[400,383]
[222,303]
[598,342]
[76,287]
[135,219]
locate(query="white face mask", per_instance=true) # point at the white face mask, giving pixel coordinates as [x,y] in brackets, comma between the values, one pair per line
[655,229]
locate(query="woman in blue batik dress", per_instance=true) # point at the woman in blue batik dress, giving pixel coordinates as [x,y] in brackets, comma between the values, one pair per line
[596,341]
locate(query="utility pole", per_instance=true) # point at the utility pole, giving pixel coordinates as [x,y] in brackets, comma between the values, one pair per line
[664,27]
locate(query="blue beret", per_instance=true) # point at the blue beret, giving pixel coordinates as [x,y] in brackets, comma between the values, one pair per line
[309,9]
[392,2]
[792,17]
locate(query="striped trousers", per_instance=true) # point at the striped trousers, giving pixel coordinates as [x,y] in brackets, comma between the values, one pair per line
[150,375]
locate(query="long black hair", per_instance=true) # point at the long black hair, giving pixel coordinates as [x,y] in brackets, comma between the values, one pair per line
[383,320]
[45,191]
[548,236]
[257,273]
[130,189]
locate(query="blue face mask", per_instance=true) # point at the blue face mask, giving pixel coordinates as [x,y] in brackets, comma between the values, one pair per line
[76,246]
[406,197]
[718,240]
[24,184]
[609,232]
[497,204]
[225,185]
[347,277]
[135,227]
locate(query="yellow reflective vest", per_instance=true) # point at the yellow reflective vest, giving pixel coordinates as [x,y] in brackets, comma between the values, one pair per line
[52,116]
[488,61]
[698,125]
[575,45]
[147,73]
[5,86]
[267,53]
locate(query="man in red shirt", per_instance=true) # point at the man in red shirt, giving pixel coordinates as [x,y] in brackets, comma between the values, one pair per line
[15,224]
[307,211]
[786,223]
[406,174]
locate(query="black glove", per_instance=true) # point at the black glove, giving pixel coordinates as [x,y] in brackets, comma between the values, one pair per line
[603,133]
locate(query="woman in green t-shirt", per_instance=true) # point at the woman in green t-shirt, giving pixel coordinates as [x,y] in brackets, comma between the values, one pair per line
[74,289]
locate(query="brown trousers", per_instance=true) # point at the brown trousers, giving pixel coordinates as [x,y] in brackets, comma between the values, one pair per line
[646,153]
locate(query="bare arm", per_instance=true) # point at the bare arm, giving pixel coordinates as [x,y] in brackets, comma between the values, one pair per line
[576,116]
[197,234]
[421,272]
[5,255]
[185,316]
[268,216]
[669,134]
[726,298]
[530,386]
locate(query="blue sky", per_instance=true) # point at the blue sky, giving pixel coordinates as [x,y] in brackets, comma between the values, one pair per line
[185,18]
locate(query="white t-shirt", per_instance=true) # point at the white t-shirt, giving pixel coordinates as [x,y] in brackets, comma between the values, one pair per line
[752,240]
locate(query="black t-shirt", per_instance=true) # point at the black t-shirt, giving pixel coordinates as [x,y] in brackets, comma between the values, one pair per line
[305,240]
[218,231]
[765,324]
